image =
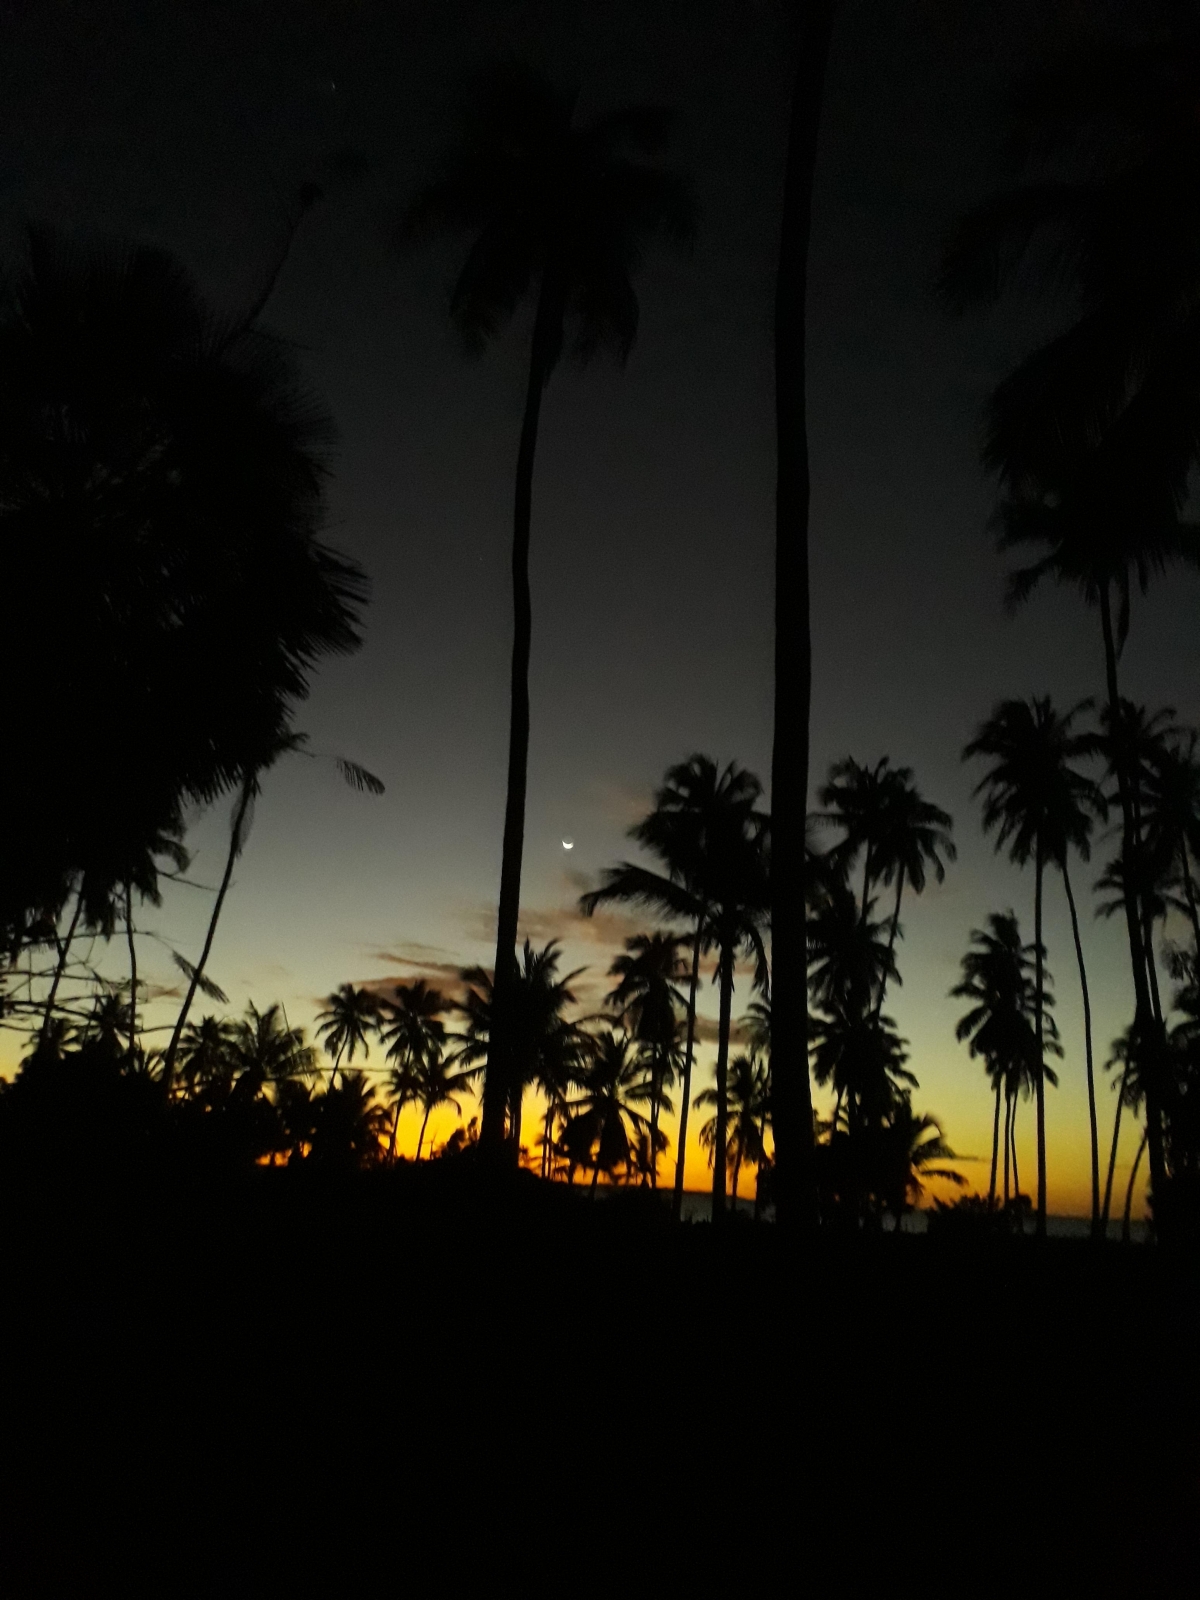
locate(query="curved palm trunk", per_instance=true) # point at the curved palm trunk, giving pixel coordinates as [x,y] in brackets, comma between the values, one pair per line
[235,845]
[681,1152]
[1087,1039]
[1112,1159]
[995,1147]
[722,1118]
[1133,1172]
[1008,1106]
[395,1126]
[496,1077]
[1012,1133]
[63,952]
[792,1114]
[421,1136]
[1040,1064]
[1137,953]
[133,972]
[895,929]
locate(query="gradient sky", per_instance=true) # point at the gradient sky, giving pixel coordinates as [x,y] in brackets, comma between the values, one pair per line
[191,125]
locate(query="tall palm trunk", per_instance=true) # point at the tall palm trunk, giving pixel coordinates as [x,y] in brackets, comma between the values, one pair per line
[1008,1105]
[395,1126]
[1087,1040]
[792,1114]
[236,831]
[1133,1172]
[1112,1158]
[496,1078]
[64,951]
[421,1136]
[722,1118]
[133,972]
[655,1098]
[995,1146]
[681,1153]
[1012,1134]
[1039,1081]
[895,929]
[1144,1039]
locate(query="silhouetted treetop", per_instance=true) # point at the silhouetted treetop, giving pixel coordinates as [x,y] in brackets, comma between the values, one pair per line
[549,199]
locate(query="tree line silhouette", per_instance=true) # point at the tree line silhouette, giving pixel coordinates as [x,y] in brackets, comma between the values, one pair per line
[162,492]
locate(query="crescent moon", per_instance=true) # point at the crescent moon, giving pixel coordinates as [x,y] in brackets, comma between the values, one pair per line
[568,844]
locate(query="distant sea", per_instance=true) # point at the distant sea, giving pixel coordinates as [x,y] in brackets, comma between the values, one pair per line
[697,1207]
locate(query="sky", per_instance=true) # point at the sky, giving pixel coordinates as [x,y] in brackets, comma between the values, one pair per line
[192,126]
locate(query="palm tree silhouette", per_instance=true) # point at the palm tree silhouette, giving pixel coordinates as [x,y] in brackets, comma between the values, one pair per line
[256,766]
[410,1024]
[350,1017]
[748,1102]
[347,1125]
[206,1053]
[267,1049]
[792,1092]
[1040,806]
[201,611]
[1129,1093]
[646,996]
[438,1086]
[1171,806]
[562,212]
[603,1121]
[1094,435]
[998,978]
[911,1145]
[712,841]
[546,1045]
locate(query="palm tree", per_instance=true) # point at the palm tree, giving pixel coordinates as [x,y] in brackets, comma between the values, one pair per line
[1094,435]
[749,1088]
[410,1024]
[545,1045]
[347,1125]
[438,1086]
[1040,806]
[206,1053]
[350,1016]
[646,996]
[864,1059]
[998,978]
[791,1091]
[1129,1093]
[915,837]
[162,483]
[697,808]
[563,213]
[266,1049]
[603,1120]
[249,788]
[911,1146]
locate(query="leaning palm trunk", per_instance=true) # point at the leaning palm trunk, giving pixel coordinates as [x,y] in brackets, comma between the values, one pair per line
[893,932]
[681,1152]
[792,1114]
[1008,1106]
[1087,1039]
[995,1146]
[1012,1134]
[63,952]
[498,1073]
[722,1117]
[421,1137]
[1144,1038]
[236,834]
[1112,1158]
[1133,1172]
[1040,1064]
[395,1127]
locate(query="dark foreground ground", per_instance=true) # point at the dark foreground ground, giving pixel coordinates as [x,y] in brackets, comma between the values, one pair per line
[443,1383]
